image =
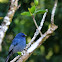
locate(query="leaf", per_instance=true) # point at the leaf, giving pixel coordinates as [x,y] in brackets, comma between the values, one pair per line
[40,12]
[32,10]
[19,53]
[36,2]
[26,13]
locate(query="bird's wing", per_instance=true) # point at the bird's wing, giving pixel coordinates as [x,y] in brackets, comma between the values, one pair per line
[13,44]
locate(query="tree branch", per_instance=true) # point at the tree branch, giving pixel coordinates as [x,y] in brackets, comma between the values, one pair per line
[7,20]
[36,25]
[37,31]
[53,12]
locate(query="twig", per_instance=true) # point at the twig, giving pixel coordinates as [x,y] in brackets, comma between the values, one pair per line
[37,32]
[36,25]
[7,20]
[53,12]
[43,19]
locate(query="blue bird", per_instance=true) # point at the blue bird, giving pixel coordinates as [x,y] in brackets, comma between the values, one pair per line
[17,45]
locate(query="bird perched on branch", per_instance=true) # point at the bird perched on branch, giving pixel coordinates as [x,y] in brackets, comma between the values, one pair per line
[17,45]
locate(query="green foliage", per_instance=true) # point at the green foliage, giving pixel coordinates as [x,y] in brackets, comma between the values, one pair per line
[26,13]
[19,53]
[40,11]
[36,2]
[32,9]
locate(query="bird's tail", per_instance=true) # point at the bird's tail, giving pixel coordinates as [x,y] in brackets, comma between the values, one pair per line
[8,57]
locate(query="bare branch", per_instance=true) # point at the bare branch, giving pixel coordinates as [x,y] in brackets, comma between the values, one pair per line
[53,12]
[43,19]
[36,25]
[7,20]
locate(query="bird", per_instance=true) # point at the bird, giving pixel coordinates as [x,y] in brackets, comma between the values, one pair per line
[18,44]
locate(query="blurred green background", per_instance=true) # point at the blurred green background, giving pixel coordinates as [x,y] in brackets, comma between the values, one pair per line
[51,49]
